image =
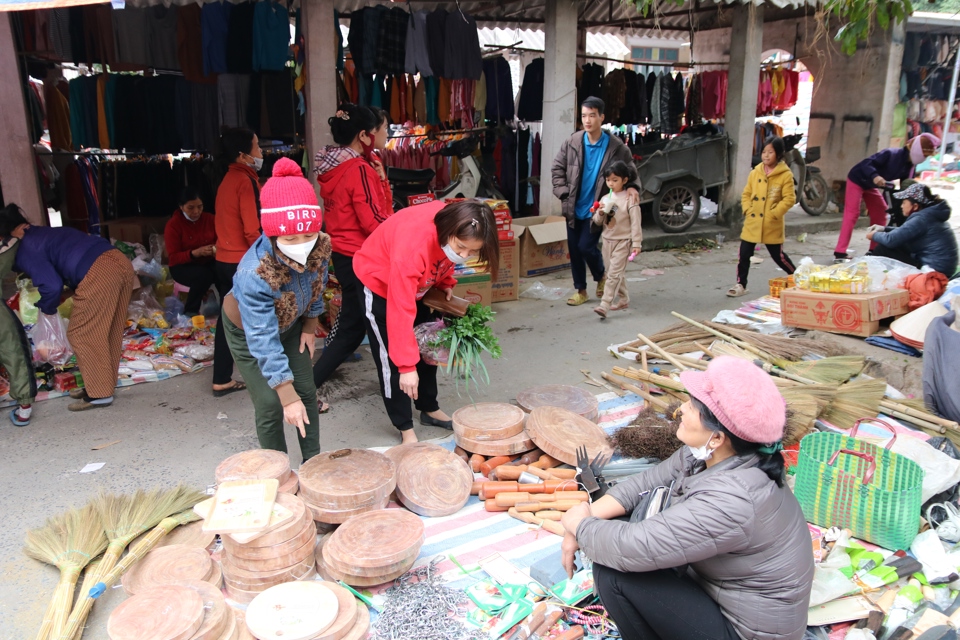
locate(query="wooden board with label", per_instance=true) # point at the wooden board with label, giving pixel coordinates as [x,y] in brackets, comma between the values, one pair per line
[171,612]
[242,506]
[279,516]
[283,533]
[292,611]
[347,479]
[488,421]
[559,432]
[433,482]
[575,399]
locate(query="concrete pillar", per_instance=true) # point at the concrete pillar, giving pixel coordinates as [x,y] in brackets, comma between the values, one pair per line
[746,47]
[559,91]
[891,83]
[18,172]
[320,33]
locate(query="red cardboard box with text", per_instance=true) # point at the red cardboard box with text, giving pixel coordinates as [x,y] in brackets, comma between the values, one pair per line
[853,314]
[543,244]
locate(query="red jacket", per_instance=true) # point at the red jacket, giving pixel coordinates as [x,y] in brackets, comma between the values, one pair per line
[355,200]
[401,261]
[182,236]
[238,222]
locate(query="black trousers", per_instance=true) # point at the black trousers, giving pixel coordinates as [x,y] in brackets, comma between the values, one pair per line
[348,330]
[396,402]
[660,604]
[584,252]
[222,358]
[776,252]
[198,276]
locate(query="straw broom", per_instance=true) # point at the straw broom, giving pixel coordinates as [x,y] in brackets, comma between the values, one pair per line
[125,517]
[836,369]
[855,400]
[69,542]
[74,628]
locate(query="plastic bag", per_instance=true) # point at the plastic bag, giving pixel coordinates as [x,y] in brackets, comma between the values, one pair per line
[199,352]
[146,312]
[148,268]
[952,292]
[869,274]
[427,337]
[29,297]
[708,208]
[50,342]
[539,291]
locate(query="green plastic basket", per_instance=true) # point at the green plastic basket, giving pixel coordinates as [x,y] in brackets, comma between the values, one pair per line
[853,484]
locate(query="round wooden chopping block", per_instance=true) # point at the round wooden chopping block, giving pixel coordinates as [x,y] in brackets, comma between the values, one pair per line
[403,564]
[559,432]
[292,611]
[168,564]
[281,560]
[294,529]
[346,614]
[245,579]
[575,399]
[216,576]
[332,575]
[520,443]
[362,625]
[347,479]
[241,620]
[191,535]
[169,612]
[246,596]
[234,627]
[338,516]
[256,464]
[292,485]
[217,615]
[376,539]
[433,482]
[488,421]
[400,451]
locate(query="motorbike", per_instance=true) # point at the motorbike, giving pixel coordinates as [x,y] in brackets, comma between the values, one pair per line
[473,181]
[812,189]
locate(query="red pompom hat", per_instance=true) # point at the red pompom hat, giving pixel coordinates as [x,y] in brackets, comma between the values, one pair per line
[288,202]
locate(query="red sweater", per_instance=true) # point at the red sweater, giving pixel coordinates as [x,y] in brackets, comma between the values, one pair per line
[238,225]
[401,261]
[182,236]
[355,202]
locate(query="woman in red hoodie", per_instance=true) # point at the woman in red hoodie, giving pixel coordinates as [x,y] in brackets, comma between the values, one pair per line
[402,259]
[356,199]
[238,227]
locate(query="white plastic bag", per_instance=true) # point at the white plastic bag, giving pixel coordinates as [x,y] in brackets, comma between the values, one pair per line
[940,471]
[50,340]
[539,291]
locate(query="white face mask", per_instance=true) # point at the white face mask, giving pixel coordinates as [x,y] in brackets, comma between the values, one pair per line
[703,453]
[298,252]
[189,219]
[257,164]
[453,256]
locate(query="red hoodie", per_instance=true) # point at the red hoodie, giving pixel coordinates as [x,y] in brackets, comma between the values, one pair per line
[401,261]
[355,200]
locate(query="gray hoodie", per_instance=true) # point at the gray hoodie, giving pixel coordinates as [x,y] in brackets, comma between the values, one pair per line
[745,540]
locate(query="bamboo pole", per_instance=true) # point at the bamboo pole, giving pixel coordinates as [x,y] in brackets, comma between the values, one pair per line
[657,402]
[719,334]
[916,413]
[704,349]
[663,354]
[667,384]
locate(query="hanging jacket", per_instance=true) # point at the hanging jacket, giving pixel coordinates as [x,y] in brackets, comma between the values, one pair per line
[744,538]
[530,103]
[355,200]
[238,213]
[927,236]
[889,164]
[765,201]
[567,169]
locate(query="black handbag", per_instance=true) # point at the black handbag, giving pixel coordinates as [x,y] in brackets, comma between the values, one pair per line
[652,502]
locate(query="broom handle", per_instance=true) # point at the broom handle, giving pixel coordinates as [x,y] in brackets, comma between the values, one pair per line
[62,612]
[740,343]
[938,428]
[663,354]
[657,402]
[705,349]
[47,623]
[646,376]
[777,371]
[81,610]
[922,415]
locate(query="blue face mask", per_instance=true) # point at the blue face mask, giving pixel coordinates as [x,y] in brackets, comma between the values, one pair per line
[453,256]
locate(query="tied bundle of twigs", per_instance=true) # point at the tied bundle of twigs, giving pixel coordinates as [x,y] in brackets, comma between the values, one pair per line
[682,338]
[650,436]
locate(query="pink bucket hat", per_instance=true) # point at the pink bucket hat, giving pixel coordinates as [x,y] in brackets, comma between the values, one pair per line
[742,396]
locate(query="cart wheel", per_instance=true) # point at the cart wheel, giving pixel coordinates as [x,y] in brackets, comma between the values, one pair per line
[398,203]
[677,206]
[816,194]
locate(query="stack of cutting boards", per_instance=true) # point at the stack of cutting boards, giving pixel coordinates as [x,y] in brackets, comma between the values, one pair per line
[562,396]
[339,485]
[259,464]
[431,481]
[183,611]
[171,564]
[307,611]
[491,429]
[372,548]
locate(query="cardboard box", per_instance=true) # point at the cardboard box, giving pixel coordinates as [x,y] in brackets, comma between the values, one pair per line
[543,244]
[136,229]
[507,286]
[475,288]
[853,314]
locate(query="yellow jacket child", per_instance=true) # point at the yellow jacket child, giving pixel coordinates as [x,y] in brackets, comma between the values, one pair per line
[766,200]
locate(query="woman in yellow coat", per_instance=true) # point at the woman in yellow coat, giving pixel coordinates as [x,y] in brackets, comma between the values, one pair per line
[766,199]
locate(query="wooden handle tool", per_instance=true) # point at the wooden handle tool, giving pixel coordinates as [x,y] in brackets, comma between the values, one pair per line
[475,461]
[573,633]
[559,505]
[475,489]
[548,623]
[463,454]
[491,489]
[548,525]
[531,456]
[549,515]
[491,505]
[547,462]
[493,463]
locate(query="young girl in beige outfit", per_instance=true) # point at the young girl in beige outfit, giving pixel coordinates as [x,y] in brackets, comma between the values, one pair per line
[621,236]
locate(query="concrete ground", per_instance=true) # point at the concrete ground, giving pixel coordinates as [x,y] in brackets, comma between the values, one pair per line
[175,431]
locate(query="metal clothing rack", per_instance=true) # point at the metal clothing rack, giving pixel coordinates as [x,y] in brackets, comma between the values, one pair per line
[437,134]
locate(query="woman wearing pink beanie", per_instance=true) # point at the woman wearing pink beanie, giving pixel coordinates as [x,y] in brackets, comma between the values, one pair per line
[728,557]
[270,315]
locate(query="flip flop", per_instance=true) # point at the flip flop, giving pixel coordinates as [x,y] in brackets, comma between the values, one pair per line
[237,386]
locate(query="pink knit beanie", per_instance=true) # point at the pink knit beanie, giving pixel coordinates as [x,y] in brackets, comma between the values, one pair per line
[742,396]
[288,202]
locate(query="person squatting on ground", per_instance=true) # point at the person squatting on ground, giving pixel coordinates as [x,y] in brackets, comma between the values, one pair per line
[622,236]
[868,174]
[15,354]
[270,316]
[766,198]
[356,199]
[577,176]
[405,257]
[103,280]
[729,556]
[191,241]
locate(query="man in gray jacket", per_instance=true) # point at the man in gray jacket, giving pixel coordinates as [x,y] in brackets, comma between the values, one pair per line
[577,175]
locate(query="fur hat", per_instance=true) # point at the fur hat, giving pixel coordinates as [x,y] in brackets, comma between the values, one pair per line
[742,396]
[288,202]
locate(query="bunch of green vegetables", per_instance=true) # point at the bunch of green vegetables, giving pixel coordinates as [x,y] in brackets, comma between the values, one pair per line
[467,339]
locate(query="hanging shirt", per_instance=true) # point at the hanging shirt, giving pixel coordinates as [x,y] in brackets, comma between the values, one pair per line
[271,36]
[215,23]
[592,162]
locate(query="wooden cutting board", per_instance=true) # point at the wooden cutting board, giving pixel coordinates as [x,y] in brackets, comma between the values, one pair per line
[292,485]
[306,533]
[241,620]
[559,432]
[274,563]
[346,614]
[191,535]
[520,443]
[376,539]
[256,464]
[173,563]
[433,482]
[216,576]
[216,614]
[564,396]
[488,421]
[259,580]
[245,597]
[234,628]
[332,575]
[279,535]
[279,516]
[347,479]
[400,451]
[362,625]
[168,612]
[242,506]
[339,516]
[401,565]
[292,611]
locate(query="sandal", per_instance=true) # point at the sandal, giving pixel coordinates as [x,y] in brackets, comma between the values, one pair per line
[237,386]
[600,311]
[577,299]
[620,307]
[736,291]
